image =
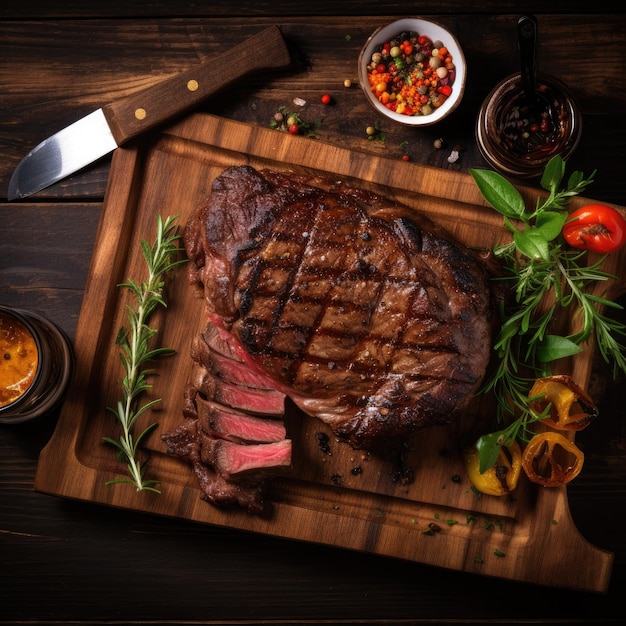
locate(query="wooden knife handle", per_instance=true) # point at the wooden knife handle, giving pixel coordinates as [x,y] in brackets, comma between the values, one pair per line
[139,112]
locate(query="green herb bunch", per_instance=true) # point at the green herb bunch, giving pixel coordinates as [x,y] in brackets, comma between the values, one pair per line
[546,277]
[135,350]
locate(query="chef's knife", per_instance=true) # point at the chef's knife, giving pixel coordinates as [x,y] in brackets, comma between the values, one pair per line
[100,132]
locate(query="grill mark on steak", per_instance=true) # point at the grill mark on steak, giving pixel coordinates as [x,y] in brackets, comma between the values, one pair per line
[298,346]
[367,314]
[292,342]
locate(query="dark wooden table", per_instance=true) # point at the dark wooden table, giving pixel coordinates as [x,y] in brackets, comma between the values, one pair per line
[73,562]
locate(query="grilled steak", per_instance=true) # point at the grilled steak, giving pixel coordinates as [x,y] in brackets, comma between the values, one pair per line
[185,442]
[232,425]
[234,435]
[263,401]
[225,365]
[367,314]
[237,463]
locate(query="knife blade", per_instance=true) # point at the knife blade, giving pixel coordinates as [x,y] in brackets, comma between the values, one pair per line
[102,131]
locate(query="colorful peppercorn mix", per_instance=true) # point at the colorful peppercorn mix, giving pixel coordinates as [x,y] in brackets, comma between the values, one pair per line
[411,74]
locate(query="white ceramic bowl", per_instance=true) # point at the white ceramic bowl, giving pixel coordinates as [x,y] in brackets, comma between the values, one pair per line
[435,32]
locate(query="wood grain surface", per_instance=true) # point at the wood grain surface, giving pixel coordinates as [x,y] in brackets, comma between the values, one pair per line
[66,561]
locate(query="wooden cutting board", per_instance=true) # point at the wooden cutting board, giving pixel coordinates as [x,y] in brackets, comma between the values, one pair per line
[345,498]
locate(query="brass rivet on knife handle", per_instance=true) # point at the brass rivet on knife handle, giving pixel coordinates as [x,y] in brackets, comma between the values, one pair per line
[179,94]
[141,113]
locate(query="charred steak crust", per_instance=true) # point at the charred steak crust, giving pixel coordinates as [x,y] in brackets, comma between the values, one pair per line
[366,313]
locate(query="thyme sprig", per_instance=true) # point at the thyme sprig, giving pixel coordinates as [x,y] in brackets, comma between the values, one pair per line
[546,278]
[135,351]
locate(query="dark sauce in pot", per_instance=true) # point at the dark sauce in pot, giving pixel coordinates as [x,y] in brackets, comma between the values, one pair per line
[520,139]
[530,132]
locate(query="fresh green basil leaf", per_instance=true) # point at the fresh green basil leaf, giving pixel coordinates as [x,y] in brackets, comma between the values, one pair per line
[575,179]
[553,173]
[555,347]
[533,244]
[499,193]
[550,223]
[488,447]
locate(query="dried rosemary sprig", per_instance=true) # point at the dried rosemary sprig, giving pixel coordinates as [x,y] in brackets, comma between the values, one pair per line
[135,351]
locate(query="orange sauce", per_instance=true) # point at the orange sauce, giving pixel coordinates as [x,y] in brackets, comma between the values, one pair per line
[18,359]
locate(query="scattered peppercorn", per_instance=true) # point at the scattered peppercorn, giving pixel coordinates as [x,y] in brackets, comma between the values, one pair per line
[323,442]
[291,122]
[438,143]
[347,83]
[375,134]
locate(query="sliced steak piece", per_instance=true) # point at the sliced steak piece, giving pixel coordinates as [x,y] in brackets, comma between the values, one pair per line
[236,462]
[184,442]
[223,422]
[258,401]
[366,313]
[234,451]
[231,370]
[224,493]
[221,342]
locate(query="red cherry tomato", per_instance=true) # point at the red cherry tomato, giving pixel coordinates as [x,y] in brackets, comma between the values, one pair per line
[326,99]
[595,227]
[294,129]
